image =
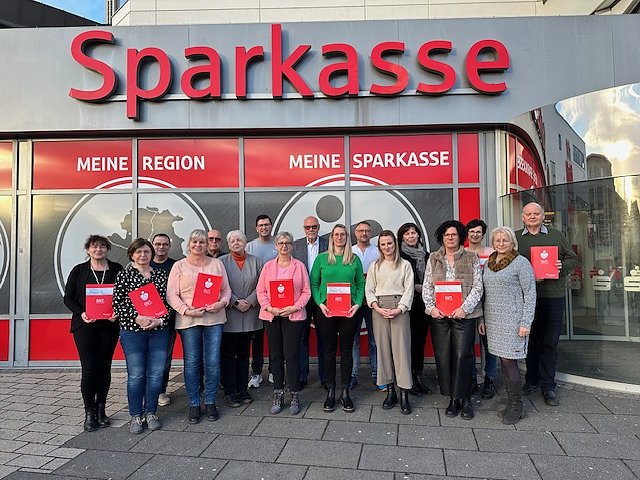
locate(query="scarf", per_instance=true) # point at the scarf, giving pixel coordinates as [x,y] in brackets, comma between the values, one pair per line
[417,254]
[506,260]
[239,258]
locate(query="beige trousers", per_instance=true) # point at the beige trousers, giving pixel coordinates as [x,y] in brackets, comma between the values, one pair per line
[393,341]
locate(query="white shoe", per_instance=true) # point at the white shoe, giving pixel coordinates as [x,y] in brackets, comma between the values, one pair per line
[255,381]
[164,399]
[271,378]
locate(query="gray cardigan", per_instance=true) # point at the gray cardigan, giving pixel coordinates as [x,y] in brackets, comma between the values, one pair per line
[243,285]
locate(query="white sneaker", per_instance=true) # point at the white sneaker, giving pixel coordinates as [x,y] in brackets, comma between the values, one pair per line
[164,399]
[255,381]
[271,378]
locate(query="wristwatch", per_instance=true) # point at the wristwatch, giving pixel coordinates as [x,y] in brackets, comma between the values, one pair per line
[236,303]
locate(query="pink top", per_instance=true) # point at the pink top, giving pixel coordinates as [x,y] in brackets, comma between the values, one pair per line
[301,289]
[181,286]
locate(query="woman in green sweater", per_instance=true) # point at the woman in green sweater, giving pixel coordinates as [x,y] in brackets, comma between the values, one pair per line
[337,265]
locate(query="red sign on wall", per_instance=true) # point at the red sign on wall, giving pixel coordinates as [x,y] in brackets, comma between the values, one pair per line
[524,166]
[402,159]
[189,163]
[81,164]
[6,162]
[292,162]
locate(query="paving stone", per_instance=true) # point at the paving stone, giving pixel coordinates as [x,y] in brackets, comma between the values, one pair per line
[402,459]
[33,461]
[233,425]
[320,473]
[6,434]
[14,415]
[570,402]
[114,439]
[246,470]
[64,452]
[290,427]
[362,432]
[59,440]
[176,467]
[416,476]
[614,423]
[55,463]
[104,464]
[14,424]
[517,441]
[36,449]
[619,405]
[634,465]
[233,447]
[320,453]
[6,470]
[552,467]
[513,466]
[418,416]
[67,430]
[11,445]
[436,437]
[36,437]
[600,445]
[6,456]
[189,444]
[40,427]
[486,419]
[361,414]
[555,422]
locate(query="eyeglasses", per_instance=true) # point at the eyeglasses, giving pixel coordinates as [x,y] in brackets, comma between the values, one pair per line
[450,235]
[214,239]
[311,227]
[363,231]
[160,244]
[283,244]
[262,225]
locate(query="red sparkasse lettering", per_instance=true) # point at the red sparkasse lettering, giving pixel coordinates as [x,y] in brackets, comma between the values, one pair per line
[243,58]
[135,59]
[388,68]
[441,69]
[209,70]
[348,67]
[286,69]
[78,45]
[474,66]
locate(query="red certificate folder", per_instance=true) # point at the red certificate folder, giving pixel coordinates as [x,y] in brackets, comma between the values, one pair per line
[448,296]
[338,299]
[147,301]
[207,290]
[281,293]
[99,301]
[543,260]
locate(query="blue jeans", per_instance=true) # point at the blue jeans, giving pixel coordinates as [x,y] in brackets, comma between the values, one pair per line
[365,312]
[201,343]
[490,361]
[145,353]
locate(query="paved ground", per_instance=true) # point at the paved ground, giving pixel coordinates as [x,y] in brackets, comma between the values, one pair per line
[593,434]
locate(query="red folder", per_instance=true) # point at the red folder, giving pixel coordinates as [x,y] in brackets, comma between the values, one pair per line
[147,301]
[448,296]
[207,291]
[543,260]
[338,299]
[99,301]
[281,293]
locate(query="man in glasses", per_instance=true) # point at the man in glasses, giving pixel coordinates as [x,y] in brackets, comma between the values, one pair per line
[306,250]
[263,247]
[215,244]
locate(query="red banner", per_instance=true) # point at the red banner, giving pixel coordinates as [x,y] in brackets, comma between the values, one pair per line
[402,159]
[81,164]
[189,163]
[292,162]
[468,158]
[6,162]
[526,167]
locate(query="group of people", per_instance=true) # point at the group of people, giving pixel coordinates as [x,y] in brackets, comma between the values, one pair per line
[394,288]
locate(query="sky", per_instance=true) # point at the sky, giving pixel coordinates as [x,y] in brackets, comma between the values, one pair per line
[92,9]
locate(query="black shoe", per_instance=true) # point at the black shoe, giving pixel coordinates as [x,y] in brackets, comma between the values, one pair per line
[345,400]
[453,409]
[211,412]
[330,402]
[405,407]
[232,400]
[475,388]
[550,398]
[467,409]
[103,420]
[529,388]
[90,420]
[488,389]
[392,397]
[245,397]
[194,414]
[419,385]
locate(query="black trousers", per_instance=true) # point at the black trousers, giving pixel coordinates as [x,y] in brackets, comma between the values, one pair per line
[419,330]
[284,346]
[543,343]
[95,346]
[453,347]
[234,361]
[330,328]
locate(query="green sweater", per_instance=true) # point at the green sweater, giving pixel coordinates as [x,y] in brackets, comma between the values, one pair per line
[323,273]
[569,259]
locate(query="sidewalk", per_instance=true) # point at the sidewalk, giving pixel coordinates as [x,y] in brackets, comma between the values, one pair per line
[593,434]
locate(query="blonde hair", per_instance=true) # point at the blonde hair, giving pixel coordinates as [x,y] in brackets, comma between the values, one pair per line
[508,231]
[396,255]
[347,256]
[197,234]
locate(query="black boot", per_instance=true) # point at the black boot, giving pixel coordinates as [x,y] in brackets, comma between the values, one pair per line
[467,409]
[415,388]
[488,389]
[419,385]
[90,420]
[345,400]
[453,409]
[515,408]
[405,408]
[103,420]
[330,402]
[392,397]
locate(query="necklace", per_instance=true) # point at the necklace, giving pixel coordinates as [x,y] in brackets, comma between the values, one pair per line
[104,272]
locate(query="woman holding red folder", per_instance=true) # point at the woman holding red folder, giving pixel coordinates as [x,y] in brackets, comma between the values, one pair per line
[453,325]
[144,338]
[283,291]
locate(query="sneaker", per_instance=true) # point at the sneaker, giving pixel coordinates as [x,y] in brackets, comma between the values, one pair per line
[255,381]
[271,378]
[152,421]
[294,408]
[136,426]
[276,407]
[164,400]
[194,413]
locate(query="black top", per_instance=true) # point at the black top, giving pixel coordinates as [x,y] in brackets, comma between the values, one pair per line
[166,265]
[75,292]
[417,298]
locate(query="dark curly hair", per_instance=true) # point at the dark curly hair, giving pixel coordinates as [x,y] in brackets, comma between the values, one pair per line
[444,226]
[139,243]
[476,222]
[99,239]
